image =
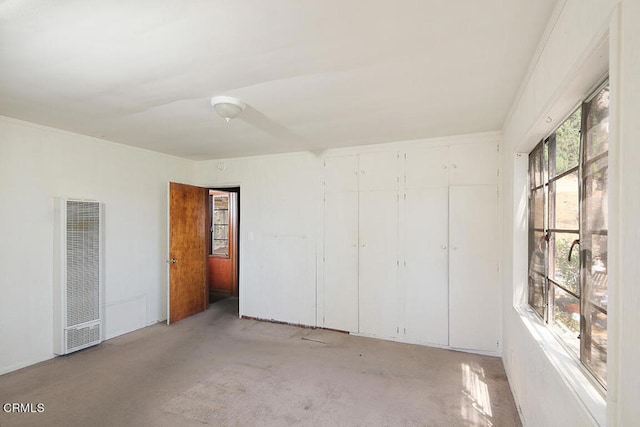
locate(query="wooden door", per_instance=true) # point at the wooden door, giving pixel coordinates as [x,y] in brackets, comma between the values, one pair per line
[474,294]
[187,251]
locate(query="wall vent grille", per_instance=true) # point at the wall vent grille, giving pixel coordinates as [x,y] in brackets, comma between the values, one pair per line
[83,262]
[77,310]
[79,338]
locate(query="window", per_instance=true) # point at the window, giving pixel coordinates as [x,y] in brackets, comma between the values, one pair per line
[568,228]
[220,227]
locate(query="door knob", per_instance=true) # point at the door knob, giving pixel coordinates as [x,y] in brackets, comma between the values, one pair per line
[173,260]
[443,247]
[454,248]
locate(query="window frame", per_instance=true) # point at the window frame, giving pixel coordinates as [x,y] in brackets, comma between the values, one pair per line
[545,311]
[214,225]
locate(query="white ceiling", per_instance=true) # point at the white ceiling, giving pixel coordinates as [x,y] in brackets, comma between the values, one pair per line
[315,74]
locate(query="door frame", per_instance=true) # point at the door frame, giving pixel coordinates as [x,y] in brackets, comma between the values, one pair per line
[224,187]
[235,238]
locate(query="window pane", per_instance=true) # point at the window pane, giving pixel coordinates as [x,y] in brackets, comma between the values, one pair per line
[220,232]
[566,318]
[595,343]
[537,165]
[561,270]
[221,202]
[595,274]
[221,247]
[536,207]
[567,149]
[563,199]
[537,274]
[597,125]
[595,210]
[221,217]
[536,292]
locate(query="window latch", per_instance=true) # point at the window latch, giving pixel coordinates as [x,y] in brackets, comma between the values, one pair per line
[575,242]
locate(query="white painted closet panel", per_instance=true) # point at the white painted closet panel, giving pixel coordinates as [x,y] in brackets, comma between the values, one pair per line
[379,171]
[474,298]
[341,174]
[341,261]
[426,304]
[361,243]
[410,252]
[378,263]
[341,244]
[424,225]
[378,219]
[473,164]
[426,168]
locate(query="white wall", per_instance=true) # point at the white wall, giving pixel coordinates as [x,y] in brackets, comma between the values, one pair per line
[39,163]
[280,231]
[583,36]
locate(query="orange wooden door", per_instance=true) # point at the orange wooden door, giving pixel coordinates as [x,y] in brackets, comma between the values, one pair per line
[187,251]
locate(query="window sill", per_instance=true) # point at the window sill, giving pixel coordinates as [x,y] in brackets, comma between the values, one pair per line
[574,375]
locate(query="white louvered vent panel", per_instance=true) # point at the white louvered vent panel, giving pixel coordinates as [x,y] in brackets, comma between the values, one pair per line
[82,337]
[83,262]
[77,275]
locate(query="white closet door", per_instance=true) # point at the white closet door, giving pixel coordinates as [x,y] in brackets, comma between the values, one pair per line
[426,272]
[473,164]
[341,174]
[379,171]
[378,263]
[340,309]
[426,167]
[474,297]
[341,261]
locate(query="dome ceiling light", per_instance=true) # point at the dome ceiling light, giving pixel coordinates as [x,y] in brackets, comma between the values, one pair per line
[228,107]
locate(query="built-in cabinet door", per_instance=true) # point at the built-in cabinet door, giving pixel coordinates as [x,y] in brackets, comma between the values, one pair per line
[378,171]
[474,306]
[378,263]
[473,164]
[424,282]
[426,304]
[341,174]
[378,222]
[340,291]
[426,168]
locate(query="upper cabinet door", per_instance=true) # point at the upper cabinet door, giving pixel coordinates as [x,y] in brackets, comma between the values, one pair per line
[426,168]
[473,164]
[341,174]
[379,171]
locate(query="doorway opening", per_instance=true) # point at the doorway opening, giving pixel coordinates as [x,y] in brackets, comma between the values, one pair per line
[223,266]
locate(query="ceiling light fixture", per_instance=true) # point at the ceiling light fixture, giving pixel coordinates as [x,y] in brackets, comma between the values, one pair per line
[228,107]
